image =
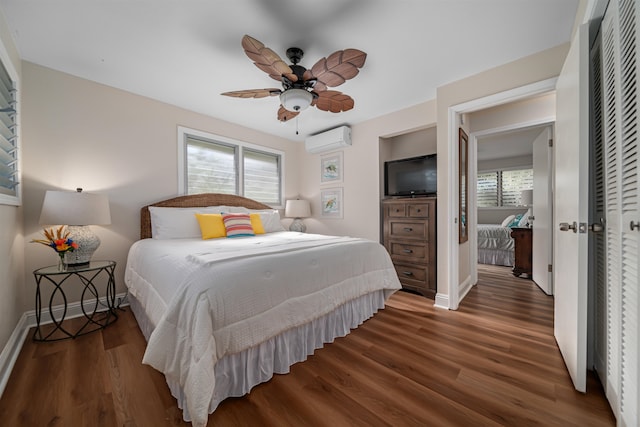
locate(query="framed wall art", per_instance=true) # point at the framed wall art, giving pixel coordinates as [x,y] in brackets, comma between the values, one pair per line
[331,168]
[331,203]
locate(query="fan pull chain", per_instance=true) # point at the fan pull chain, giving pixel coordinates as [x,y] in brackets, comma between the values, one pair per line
[296,125]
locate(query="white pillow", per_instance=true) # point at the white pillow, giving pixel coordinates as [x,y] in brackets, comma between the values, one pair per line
[524,221]
[507,221]
[270,220]
[178,223]
[239,209]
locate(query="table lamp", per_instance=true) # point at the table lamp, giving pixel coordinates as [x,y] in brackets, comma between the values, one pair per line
[526,199]
[297,209]
[77,210]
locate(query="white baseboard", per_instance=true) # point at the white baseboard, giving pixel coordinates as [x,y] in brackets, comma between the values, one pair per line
[442,301]
[465,287]
[11,350]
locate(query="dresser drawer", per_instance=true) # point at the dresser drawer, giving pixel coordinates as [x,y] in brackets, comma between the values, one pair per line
[395,210]
[412,274]
[418,210]
[409,251]
[408,229]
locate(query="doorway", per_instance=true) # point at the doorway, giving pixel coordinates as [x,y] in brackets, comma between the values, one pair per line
[461,268]
[513,189]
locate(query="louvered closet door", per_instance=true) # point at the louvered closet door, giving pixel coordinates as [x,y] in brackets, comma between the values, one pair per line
[630,81]
[598,215]
[621,79]
[611,127]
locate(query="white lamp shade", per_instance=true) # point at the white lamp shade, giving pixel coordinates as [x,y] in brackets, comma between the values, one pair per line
[296,100]
[297,209]
[526,197]
[75,208]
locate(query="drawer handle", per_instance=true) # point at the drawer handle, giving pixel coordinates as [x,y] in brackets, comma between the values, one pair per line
[397,210]
[407,273]
[419,211]
[408,229]
[408,251]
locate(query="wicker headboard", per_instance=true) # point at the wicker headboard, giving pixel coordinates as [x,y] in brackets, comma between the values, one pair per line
[196,201]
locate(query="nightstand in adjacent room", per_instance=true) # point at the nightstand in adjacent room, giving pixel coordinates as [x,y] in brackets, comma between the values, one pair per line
[523,251]
[97,312]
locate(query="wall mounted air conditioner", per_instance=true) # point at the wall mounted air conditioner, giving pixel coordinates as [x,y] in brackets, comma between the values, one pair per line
[329,140]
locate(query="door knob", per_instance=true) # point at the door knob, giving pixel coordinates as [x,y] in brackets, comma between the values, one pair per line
[565,226]
[635,225]
[596,227]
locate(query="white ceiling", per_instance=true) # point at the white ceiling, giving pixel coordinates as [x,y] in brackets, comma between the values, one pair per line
[187,52]
[508,144]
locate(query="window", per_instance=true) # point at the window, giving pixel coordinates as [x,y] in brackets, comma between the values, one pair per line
[9,170]
[214,164]
[502,188]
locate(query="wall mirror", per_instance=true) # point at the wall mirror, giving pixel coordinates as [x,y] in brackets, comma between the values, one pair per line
[463,183]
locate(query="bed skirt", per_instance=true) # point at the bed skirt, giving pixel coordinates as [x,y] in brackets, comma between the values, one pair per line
[237,374]
[496,257]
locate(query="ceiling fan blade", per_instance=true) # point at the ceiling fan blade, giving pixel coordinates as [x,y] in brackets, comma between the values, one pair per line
[266,59]
[338,67]
[285,115]
[253,93]
[334,101]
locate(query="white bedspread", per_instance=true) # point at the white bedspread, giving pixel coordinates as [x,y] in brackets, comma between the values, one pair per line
[492,236]
[223,296]
[495,245]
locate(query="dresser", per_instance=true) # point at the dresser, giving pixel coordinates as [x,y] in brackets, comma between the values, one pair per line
[523,241]
[409,234]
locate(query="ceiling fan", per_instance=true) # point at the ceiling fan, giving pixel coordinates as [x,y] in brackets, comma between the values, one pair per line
[302,87]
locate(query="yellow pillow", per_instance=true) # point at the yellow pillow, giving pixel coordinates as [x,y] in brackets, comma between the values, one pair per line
[211,226]
[256,223]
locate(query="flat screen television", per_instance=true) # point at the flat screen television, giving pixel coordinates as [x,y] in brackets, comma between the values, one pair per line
[416,176]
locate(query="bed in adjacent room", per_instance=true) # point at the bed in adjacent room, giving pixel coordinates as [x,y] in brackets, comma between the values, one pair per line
[495,244]
[223,314]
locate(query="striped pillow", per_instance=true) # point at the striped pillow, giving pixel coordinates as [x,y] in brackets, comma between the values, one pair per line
[238,224]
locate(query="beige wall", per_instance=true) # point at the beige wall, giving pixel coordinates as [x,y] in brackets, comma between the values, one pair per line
[538,67]
[12,274]
[77,133]
[412,144]
[361,184]
[538,109]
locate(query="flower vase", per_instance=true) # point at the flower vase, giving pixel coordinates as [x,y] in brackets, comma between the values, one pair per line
[61,264]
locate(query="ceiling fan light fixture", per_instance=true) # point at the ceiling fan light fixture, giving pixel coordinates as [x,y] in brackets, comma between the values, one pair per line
[296,100]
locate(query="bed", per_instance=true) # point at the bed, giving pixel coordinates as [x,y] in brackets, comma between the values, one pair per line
[495,245]
[222,315]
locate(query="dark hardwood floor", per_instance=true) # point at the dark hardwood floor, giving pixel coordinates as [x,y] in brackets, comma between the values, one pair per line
[494,362]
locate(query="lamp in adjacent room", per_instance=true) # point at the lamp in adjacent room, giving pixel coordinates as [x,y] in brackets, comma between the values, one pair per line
[297,209]
[77,210]
[526,199]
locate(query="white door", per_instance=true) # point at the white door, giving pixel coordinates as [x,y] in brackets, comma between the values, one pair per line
[542,210]
[621,152]
[570,208]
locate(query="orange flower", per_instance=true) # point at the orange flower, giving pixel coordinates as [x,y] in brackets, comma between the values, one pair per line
[59,241]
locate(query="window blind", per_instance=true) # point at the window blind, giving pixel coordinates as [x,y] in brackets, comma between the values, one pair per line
[261,176]
[513,182]
[211,167]
[487,190]
[502,188]
[216,165]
